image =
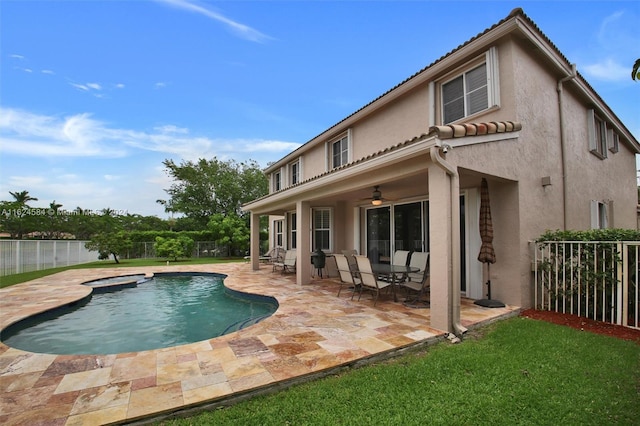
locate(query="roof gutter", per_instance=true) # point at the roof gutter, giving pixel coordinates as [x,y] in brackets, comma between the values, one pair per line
[454,283]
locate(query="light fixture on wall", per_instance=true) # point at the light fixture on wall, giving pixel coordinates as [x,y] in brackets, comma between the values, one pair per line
[376,197]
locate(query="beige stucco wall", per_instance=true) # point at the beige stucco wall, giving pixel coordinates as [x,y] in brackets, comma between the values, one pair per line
[522,207]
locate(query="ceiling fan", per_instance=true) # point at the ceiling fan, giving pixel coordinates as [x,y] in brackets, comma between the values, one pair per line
[376,196]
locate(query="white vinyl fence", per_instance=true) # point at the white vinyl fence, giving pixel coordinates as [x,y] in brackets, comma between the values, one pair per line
[18,256]
[595,279]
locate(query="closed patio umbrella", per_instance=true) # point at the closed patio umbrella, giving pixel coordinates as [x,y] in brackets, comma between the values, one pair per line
[487,254]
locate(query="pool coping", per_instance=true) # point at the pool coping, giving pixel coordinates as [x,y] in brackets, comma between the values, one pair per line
[312,333]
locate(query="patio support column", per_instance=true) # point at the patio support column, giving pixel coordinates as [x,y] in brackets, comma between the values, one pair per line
[444,228]
[254,241]
[440,248]
[303,242]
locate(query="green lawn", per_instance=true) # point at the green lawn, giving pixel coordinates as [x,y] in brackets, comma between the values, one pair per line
[9,280]
[515,372]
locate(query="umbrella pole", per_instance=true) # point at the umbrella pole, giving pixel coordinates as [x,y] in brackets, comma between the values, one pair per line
[489,281]
[488,302]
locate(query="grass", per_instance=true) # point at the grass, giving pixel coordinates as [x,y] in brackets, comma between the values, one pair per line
[516,372]
[10,280]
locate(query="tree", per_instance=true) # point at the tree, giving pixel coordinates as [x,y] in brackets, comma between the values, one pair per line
[51,225]
[231,231]
[173,248]
[17,217]
[109,243]
[22,197]
[206,187]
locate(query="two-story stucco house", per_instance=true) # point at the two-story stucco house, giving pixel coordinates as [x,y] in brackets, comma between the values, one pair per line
[404,171]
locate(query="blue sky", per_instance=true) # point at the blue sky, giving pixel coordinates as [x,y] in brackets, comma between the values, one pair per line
[95,94]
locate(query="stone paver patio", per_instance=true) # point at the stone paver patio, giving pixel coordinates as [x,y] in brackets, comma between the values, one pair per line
[312,333]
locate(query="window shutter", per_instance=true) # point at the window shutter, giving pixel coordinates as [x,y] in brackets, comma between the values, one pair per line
[595,223]
[591,130]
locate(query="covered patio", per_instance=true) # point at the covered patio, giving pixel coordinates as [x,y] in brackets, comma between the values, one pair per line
[420,177]
[312,334]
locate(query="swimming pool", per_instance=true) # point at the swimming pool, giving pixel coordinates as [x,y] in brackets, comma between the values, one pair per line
[169,310]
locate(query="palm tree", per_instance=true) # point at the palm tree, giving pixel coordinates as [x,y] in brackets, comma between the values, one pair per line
[22,197]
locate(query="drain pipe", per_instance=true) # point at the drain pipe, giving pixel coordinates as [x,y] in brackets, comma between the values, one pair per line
[563,156]
[454,308]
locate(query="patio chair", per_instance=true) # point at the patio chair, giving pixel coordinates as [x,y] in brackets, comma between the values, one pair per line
[351,260]
[400,257]
[346,273]
[368,279]
[271,256]
[418,282]
[420,260]
[288,264]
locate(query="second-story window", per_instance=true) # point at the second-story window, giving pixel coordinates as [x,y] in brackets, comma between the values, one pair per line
[601,136]
[294,170]
[465,94]
[277,181]
[340,152]
[471,89]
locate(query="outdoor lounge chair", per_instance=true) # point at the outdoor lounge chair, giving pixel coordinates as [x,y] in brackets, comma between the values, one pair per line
[369,280]
[418,282]
[288,264]
[346,273]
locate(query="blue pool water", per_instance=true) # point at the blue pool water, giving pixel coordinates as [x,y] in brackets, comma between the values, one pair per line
[169,310]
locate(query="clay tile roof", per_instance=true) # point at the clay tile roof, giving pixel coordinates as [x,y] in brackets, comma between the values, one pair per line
[451,131]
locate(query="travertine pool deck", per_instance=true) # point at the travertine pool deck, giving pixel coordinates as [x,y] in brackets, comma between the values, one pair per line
[311,333]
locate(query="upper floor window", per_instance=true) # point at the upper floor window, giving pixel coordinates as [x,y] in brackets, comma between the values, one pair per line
[340,152]
[277,181]
[465,95]
[602,137]
[471,91]
[294,172]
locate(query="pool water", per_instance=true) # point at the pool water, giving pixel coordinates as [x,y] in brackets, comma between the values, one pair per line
[169,310]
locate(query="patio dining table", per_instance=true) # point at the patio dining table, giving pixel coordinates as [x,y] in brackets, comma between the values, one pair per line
[391,271]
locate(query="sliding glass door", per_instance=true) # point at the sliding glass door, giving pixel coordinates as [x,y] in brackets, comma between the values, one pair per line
[378,233]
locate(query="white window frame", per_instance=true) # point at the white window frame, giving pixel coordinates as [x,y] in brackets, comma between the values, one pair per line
[276,181]
[315,229]
[292,230]
[295,171]
[601,214]
[348,149]
[597,134]
[278,234]
[490,60]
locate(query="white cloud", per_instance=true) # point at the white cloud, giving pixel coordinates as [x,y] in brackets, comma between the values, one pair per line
[241,30]
[160,85]
[33,135]
[80,135]
[270,146]
[170,128]
[608,70]
[94,86]
[47,72]
[15,56]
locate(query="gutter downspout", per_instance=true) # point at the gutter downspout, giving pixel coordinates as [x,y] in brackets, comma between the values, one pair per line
[563,156]
[454,308]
